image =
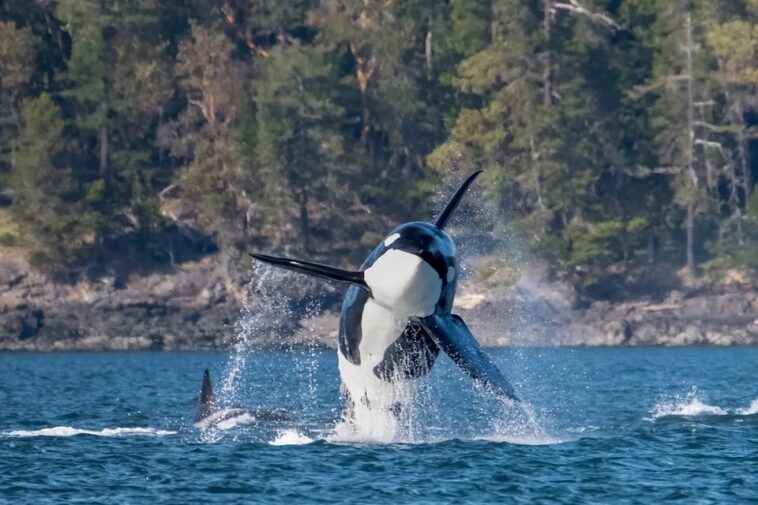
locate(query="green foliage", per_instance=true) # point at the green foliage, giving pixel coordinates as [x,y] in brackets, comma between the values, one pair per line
[52,219]
[496,271]
[752,207]
[614,136]
[9,235]
[17,54]
[735,45]
[204,132]
[16,59]
[299,146]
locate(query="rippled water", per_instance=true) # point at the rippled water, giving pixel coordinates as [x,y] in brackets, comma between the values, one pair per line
[613,425]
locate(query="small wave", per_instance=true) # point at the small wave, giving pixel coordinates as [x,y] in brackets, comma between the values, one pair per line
[291,437]
[748,411]
[692,405]
[524,439]
[68,431]
[583,429]
[685,408]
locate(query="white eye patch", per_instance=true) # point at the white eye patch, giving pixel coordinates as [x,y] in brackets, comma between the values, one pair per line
[389,240]
[450,274]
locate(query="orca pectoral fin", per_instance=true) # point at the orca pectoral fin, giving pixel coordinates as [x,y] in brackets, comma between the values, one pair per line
[454,337]
[327,272]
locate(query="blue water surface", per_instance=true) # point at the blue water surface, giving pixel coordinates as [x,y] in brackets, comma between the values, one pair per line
[612,426]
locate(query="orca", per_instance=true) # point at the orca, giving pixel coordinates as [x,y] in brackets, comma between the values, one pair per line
[209,413]
[396,314]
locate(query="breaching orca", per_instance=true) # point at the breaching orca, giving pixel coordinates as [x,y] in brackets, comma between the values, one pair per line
[209,413]
[396,314]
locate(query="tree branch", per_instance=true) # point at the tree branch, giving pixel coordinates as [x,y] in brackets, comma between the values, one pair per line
[577,8]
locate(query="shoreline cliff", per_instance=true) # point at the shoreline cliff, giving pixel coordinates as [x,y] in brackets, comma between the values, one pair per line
[197,305]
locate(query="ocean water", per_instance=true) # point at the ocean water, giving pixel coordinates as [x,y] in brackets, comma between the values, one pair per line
[602,426]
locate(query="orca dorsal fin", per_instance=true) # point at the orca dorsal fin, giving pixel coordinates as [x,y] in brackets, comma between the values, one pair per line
[455,200]
[205,407]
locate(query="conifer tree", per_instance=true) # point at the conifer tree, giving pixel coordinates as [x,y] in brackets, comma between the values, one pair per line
[17,54]
[299,148]
[56,220]
[204,134]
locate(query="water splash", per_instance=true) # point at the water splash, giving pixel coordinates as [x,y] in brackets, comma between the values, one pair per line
[397,412]
[264,315]
[391,415]
[689,405]
[291,437]
[752,409]
[268,319]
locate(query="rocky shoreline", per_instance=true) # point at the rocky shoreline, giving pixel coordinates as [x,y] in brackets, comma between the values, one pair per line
[197,306]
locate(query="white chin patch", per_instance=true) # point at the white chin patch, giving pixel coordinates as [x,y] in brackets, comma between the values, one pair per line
[404,283]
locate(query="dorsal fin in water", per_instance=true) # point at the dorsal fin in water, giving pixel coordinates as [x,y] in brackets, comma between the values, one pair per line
[455,200]
[206,403]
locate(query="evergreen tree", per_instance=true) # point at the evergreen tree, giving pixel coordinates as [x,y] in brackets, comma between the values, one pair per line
[54,214]
[299,148]
[204,134]
[618,137]
[733,42]
[17,54]
[682,89]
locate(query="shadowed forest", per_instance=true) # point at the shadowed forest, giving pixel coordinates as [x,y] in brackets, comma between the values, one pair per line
[619,137]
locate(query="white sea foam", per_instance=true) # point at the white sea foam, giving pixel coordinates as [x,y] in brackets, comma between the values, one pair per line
[748,411]
[291,437]
[686,408]
[692,405]
[386,412]
[68,431]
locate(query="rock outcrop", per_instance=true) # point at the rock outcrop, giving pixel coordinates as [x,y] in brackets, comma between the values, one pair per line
[192,308]
[539,312]
[197,306]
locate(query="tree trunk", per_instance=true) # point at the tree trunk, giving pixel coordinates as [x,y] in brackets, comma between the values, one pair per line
[691,266]
[743,155]
[304,222]
[428,50]
[365,122]
[734,200]
[690,154]
[547,71]
[104,153]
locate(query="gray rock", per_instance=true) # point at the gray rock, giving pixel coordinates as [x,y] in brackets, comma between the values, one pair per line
[197,306]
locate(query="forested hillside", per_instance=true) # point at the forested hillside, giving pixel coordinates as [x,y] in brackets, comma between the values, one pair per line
[619,137]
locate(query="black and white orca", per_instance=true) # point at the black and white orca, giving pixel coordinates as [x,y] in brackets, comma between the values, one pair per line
[396,315]
[210,414]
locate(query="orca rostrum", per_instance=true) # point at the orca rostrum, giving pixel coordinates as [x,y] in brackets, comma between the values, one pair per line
[396,315]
